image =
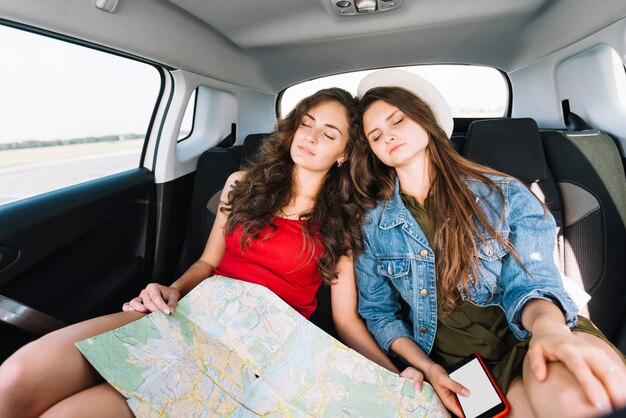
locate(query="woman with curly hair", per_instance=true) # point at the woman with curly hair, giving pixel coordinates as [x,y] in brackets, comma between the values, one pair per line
[288,222]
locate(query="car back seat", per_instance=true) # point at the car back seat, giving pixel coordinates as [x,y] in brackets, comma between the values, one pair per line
[251,145]
[588,171]
[581,179]
[457,140]
[214,167]
[514,146]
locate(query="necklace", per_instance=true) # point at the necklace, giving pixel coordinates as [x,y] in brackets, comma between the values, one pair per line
[290,215]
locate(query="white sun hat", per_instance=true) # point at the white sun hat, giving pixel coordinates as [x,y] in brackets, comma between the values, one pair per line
[416,85]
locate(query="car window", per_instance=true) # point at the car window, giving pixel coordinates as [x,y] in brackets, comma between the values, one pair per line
[69,113]
[471,91]
[186,126]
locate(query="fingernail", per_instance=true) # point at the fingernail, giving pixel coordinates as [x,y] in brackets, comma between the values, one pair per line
[599,404]
[166,311]
[466,392]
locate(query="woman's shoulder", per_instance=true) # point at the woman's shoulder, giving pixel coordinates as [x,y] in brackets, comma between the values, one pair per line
[231,181]
[233,178]
[373,215]
[497,179]
[515,194]
[505,183]
[385,212]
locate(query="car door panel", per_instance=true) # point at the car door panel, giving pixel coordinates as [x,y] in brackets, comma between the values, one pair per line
[80,251]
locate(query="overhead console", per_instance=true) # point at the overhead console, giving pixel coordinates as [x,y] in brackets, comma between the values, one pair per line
[360,7]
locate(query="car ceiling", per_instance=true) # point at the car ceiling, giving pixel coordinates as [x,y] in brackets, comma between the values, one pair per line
[301,39]
[270,44]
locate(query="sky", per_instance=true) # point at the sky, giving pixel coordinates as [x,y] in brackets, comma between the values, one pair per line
[51,89]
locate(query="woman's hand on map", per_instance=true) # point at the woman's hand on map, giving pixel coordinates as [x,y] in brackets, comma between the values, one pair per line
[441,382]
[435,374]
[154,297]
[415,375]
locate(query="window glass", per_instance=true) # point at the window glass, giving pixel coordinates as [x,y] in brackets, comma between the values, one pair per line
[471,91]
[69,113]
[186,127]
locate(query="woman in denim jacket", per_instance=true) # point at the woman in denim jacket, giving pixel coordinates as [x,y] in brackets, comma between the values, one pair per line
[459,259]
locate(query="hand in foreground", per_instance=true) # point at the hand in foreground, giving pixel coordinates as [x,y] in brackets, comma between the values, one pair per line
[602,379]
[154,297]
[446,388]
[415,375]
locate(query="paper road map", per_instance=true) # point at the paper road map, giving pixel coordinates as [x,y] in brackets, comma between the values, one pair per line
[234,349]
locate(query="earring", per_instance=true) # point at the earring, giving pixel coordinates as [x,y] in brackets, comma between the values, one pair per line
[339,163]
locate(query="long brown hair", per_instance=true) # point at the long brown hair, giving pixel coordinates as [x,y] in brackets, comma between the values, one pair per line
[335,219]
[452,206]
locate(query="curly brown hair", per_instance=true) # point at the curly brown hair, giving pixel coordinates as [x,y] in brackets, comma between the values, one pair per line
[268,185]
[457,216]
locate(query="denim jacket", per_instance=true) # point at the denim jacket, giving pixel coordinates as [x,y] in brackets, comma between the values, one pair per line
[398,262]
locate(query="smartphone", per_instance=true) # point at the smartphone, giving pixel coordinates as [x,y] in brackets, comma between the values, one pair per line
[486,399]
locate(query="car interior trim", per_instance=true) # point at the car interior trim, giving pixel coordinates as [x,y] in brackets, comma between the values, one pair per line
[27,318]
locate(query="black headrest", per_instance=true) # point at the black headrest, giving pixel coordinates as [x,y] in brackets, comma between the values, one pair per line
[250,146]
[509,145]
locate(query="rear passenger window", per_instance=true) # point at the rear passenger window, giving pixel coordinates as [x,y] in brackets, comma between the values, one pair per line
[186,127]
[69,113]
[471,91]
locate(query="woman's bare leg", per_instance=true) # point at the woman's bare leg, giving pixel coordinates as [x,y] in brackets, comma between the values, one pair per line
[520,408]
[97,401]
[560,395]
[50,369]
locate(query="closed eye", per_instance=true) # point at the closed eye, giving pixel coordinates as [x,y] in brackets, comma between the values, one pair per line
[397,122]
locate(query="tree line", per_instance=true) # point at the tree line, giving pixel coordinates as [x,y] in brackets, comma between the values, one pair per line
[56,142]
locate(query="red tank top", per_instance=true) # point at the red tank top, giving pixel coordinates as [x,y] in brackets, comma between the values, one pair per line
[277,262]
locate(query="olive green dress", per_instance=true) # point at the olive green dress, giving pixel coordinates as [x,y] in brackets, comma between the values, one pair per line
[484,330]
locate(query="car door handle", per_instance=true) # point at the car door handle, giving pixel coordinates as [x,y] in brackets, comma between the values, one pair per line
[8,255]
[27,318]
